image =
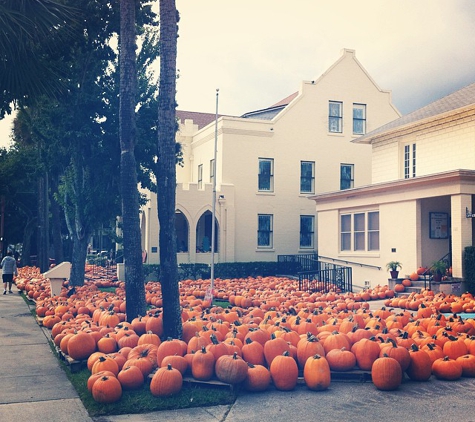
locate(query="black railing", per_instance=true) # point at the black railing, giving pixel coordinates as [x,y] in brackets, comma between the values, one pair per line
[294,264]
[329,277]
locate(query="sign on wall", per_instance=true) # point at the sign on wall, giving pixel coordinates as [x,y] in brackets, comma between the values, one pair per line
[439,227]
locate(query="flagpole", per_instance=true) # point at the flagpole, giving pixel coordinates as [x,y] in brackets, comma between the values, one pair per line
[213,223]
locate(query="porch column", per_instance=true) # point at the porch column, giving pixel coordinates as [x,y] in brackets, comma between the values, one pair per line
[461,230]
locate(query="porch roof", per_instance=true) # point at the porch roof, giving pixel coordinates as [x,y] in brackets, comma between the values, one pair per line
[451,182]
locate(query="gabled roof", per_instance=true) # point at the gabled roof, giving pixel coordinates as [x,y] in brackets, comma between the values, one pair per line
[200,119]
[459,99]
[270,112]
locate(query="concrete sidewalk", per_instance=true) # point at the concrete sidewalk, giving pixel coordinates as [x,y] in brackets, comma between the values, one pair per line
[33,385]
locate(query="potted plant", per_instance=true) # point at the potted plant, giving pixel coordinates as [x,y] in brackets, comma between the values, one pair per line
[438,269]
[393,267]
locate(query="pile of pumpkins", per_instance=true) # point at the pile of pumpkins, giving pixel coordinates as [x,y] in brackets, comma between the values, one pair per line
[271,334]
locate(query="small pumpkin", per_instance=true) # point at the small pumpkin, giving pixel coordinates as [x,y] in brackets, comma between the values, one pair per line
[284,372]
[316,373]
[131,378]
[447,369]
[386,373]
[420,367]
[107,389]
[258,378]
[341,359]
[231,369]
[468,365]
[166,382]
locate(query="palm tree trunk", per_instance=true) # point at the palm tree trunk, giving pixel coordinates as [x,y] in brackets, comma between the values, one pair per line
[134,280]
[166,181]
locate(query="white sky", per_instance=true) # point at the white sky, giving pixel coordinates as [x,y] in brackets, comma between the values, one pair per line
[258,51]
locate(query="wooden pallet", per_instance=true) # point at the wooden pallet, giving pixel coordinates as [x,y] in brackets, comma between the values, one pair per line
[73,365]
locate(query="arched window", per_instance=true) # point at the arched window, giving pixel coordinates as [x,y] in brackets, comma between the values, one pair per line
[203,233]
[181,228]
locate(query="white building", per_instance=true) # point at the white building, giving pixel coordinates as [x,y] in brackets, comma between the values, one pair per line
[419,206]
[269,162]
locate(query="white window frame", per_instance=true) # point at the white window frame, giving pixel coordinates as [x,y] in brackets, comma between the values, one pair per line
[352,176]
[200,176]
[263,177]
[307,237]
[409,160]
[360,231]
[265,231]
[335,117]
[211,170]
[305,177]
[359,118]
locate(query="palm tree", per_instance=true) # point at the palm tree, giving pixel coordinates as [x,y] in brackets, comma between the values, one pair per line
[134,280]
[166,180]
[28,27]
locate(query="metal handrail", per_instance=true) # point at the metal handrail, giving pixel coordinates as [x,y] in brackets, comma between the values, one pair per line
[350,262]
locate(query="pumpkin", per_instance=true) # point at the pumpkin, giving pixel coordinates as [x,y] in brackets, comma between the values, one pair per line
[336,340]
[316,373]
[107,389]
[202,365]
[468,365]
[105,363]
[400,353]
[284,372]
[253,352]
[307,347]
[131,378]
[258,378]
[454,347]
[414,276]
[178,362]
[170,347]
[81,346]
[341,359]
[420,367]
[386,373]
[275,347]
[94,377]
[107,344]
[366,351]
[166,382]
[447,369]
[231,369]
[399,288]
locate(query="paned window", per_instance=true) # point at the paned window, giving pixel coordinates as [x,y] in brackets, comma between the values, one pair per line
[307,231]
[200,176]
[266,175]
[359,231]
[347,179]
[307,177]
[264,230]
[409,161]
[359,119]
[335,117]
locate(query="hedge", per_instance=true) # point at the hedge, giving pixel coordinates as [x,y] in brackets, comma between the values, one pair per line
[221,270]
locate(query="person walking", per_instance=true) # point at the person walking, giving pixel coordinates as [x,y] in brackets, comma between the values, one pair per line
[8,266]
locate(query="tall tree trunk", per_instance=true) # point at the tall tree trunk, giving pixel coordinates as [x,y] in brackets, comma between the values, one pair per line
[56,225]
[166,181]
[134,280]
[28,231]
[43,229]
[76,277]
